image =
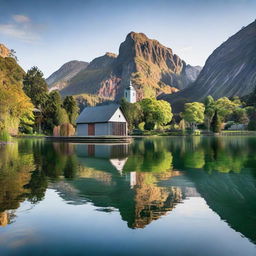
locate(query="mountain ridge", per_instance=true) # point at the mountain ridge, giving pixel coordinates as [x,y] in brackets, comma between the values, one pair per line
[59,79]
[229,71]
[153,68]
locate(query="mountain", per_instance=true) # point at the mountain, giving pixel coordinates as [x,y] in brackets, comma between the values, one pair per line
[13,101]
[153,68]
[11,74]
[229,71]
[60,78]
[4,51]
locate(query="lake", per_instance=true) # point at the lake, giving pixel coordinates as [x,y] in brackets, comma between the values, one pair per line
[156,196]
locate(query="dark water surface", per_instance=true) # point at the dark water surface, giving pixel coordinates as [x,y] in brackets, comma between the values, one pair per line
[161,196]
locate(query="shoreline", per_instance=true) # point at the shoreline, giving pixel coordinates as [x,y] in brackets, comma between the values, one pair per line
[127,139]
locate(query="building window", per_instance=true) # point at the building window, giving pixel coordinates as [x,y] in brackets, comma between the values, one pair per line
[126,94]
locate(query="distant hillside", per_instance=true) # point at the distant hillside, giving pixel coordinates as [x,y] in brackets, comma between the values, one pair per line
[153,68]
[229,71]
[60,78]
[85,100]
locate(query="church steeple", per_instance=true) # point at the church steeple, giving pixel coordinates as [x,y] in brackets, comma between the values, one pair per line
[130,93]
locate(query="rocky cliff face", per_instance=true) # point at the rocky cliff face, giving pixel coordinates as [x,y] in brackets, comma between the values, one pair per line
[152,67]
[4,51]
[59,79]
[229,71]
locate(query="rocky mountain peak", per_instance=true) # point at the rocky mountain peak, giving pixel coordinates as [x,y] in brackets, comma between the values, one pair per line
[152,67]
[4,51]
[138,45]
[102,61]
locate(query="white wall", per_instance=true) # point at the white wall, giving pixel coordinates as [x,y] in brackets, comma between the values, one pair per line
[82,130]
[118,117]
[130,95]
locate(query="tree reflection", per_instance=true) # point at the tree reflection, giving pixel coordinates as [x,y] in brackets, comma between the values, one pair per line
[144,180]
[15,173]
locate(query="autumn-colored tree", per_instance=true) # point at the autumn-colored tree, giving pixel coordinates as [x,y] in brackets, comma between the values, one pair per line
[14,103]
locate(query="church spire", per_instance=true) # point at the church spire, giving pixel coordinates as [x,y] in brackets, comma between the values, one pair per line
[130,93]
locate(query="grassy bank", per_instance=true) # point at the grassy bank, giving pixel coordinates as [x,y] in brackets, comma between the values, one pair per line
[189,133]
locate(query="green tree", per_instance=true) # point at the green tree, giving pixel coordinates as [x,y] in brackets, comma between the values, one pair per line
[35,86]
[61,116]
[132,112]
[194,113]
[156,113]
[240,116]
[209,104]
[70,105]
[216,123]
[53,113]
[251,111]
[225,107]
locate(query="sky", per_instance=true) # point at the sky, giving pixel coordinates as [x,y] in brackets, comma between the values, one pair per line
[48,33]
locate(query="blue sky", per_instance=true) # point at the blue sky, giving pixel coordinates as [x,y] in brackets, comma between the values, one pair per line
[48,33]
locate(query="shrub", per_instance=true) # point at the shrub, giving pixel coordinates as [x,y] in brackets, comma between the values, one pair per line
[4,135]
[56,130]
[141,126]
[67,129]
[196,133]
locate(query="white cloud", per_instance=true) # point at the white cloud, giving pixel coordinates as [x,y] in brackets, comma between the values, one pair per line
[19,18]
[21,28]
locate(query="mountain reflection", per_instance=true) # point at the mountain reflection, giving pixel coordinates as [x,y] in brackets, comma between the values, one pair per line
[143,181]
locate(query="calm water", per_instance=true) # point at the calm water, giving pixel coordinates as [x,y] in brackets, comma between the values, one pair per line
[163,196]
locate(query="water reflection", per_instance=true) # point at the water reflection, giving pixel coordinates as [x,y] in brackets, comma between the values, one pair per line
[142,181]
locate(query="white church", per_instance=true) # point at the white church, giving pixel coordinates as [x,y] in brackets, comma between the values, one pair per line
[130,94]
[105,120]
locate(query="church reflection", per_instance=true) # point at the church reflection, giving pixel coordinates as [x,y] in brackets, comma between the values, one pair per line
[105,181]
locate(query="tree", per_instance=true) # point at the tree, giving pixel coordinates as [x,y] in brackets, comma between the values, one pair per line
[209,104]
[216,123]
[225,107]
[251,101]
[53,113]
[155,113]
[61,116]
[14,103]
[252,118]
[35,86]
[13,55]
[240,116]
[194,113]
[132,112]
[70,105]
